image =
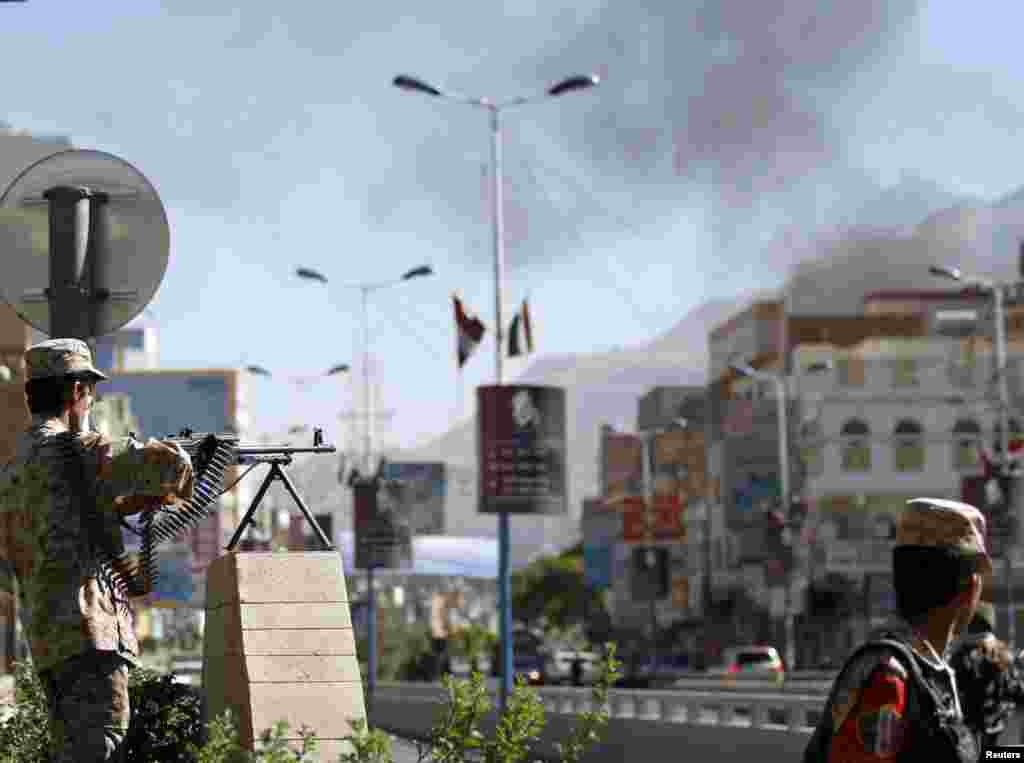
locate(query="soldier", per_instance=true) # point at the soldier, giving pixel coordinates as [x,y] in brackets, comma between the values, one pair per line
[896,697]
[989,677]
[61,500]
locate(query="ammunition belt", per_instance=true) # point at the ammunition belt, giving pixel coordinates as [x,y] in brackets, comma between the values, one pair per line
[211,455]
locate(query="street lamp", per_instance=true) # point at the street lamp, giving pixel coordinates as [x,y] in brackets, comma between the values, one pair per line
[781,400]
[258,371]
[570,84]
[365,288]
[997,290]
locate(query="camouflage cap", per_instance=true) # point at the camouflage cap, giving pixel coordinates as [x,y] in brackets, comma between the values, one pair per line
[942,523]
[59,357]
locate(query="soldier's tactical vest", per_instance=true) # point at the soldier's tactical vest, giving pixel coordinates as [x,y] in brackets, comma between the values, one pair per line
[987,726]
[938,734]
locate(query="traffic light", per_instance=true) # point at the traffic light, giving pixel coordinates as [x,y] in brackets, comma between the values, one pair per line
[650,577]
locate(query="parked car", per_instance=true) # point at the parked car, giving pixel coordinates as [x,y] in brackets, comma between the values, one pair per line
[527,657]
[750,662]
[558,668]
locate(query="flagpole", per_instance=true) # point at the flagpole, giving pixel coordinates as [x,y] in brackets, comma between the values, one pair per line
[459,400]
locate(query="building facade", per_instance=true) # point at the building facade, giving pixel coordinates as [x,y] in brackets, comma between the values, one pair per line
[879,408]
[679,484]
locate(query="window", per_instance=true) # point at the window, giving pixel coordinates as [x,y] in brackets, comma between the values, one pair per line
[811,448]
[856,446]
[904,372]
[963,366]
[851,371]
[966,435]
[908,446]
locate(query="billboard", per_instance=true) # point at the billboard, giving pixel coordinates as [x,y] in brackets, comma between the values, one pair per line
[383,535]
[623,473]
[667,518]
[521,434]
[422,493]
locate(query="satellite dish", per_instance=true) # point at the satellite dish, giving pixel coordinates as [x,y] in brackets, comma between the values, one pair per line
[85,241]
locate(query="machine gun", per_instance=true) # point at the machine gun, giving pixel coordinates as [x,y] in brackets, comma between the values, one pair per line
[211,454]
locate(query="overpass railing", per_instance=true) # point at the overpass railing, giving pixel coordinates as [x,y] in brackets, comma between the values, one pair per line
[776,711]
[644,724]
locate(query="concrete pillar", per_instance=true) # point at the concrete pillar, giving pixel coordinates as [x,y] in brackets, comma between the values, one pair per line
[279,645]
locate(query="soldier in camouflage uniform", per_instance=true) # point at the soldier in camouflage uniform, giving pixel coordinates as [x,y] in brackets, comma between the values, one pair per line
[989,677]
[61,500]
[895,699]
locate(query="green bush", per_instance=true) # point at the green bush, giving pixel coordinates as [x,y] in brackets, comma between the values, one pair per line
[166,717]
[25,735]
[166,726]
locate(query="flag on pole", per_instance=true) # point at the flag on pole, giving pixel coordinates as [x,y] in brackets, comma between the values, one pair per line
[468,331]
[520,335]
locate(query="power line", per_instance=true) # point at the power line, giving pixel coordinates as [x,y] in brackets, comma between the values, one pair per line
[404,327]
[578,236]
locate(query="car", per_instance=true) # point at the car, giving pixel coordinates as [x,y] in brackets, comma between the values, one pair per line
[530,667]
[558,668]
[750,662]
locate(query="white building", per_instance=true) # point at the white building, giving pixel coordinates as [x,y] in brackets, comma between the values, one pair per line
[894,419]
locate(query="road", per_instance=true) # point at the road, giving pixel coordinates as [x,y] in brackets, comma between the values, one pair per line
[403,751]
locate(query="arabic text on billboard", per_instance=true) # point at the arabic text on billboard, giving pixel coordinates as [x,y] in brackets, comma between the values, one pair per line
[383,537]
[422,489]
[522,450]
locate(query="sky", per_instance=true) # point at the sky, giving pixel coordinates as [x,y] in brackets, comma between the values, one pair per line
[275,140]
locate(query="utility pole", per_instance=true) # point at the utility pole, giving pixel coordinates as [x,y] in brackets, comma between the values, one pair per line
[650,556]
[1011,501]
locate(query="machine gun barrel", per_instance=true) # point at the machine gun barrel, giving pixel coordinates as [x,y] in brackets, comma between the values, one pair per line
[274,450]
[247,454]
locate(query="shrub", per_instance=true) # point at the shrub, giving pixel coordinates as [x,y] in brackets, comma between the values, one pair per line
[166,726]
[25,735]
[166,717]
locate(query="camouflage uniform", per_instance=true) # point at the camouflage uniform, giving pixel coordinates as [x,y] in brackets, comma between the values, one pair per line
[882,706]
[990,680]
[61,499]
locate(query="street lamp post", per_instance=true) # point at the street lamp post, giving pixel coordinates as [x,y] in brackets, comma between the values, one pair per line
[365,288]
[997,290]
[494,109]
[781,403]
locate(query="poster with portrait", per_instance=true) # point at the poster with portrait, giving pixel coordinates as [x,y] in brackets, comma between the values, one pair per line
[383,534]
[521,435]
